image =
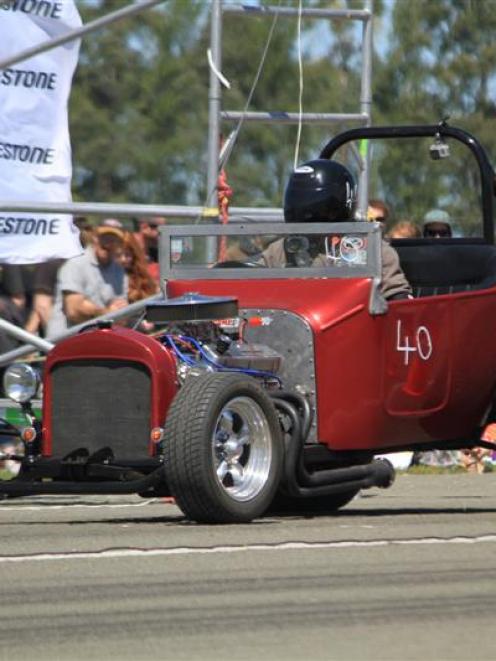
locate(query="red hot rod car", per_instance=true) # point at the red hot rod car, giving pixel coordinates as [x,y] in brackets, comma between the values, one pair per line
[262,383]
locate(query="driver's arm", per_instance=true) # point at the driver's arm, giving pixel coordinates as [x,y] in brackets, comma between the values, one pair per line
[393,281]
[273,256]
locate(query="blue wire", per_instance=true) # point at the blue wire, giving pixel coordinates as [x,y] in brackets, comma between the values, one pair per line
[221,368]
[245,370]
[187,359]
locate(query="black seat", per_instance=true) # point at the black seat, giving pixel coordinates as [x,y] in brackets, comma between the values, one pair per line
[434,268]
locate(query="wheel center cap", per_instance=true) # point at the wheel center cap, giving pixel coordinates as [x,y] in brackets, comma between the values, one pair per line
[232,450]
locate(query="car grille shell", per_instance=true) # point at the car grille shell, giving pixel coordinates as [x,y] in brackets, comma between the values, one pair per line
[100,402]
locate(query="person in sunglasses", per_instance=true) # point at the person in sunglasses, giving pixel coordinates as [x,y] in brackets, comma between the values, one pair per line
[378,211]
[437,225]
[325,191]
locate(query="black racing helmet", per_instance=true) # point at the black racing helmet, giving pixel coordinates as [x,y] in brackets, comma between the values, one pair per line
[320,191]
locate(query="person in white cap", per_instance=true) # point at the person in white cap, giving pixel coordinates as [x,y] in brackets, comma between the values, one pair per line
[437,225]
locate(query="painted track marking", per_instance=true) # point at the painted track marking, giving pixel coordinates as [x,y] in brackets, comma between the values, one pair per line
[205,550]
[65,506]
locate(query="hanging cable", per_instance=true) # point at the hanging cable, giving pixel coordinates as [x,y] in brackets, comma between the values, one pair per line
[237,129]
[300,94]
[231,140]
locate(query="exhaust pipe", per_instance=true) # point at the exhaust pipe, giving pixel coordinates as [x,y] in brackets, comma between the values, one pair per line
[300,482]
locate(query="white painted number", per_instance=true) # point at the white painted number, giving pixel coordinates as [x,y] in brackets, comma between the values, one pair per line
[422,344]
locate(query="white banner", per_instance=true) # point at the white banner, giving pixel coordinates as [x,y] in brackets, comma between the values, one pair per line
[35,150]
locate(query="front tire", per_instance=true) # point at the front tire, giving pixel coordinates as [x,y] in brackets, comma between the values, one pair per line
[223,449]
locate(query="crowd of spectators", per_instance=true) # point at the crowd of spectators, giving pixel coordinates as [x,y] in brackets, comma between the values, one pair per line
[118,266]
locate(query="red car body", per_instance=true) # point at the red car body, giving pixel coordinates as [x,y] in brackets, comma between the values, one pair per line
[387,381]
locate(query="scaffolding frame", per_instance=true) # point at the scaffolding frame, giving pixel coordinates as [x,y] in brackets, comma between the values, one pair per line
[217,114]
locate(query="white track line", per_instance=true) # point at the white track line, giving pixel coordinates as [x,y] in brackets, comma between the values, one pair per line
[30,508]
[202,550]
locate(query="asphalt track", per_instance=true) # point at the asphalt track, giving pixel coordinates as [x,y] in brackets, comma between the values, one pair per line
[406,573]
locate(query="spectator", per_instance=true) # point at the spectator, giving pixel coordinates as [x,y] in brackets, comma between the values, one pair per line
[15,301]
[44,282]
[439,458]
[13,314]
[378,211]
[437,225]
[474,460]
[112,222]
[147,238]
[10,312]
[17,285]
[91,284]
[404,229]
[141,283]
[85,230]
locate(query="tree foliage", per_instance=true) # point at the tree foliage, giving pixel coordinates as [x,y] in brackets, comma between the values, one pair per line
[439,62]
[139,107]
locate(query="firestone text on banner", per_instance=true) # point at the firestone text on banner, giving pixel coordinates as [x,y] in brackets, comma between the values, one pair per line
[35,149]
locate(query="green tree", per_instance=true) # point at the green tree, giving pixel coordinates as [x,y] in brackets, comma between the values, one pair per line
[138,106]
[439,61]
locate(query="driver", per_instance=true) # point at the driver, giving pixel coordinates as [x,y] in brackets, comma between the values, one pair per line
[325,191]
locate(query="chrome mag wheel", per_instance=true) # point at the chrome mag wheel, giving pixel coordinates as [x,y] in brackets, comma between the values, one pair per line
[242,448]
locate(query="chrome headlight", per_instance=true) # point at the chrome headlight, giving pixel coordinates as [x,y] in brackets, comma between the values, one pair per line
[20,382]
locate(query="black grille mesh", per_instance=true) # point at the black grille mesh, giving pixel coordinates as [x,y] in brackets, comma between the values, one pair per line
[97,403]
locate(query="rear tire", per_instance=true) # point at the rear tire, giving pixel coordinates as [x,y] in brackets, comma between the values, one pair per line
[223,449]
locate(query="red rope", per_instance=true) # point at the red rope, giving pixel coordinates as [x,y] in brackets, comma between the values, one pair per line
[224,194]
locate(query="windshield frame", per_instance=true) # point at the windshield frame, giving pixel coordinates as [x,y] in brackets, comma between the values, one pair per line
[170,271]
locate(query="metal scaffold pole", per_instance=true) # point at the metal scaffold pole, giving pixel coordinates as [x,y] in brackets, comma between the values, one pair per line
[366,105]
[214,99]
